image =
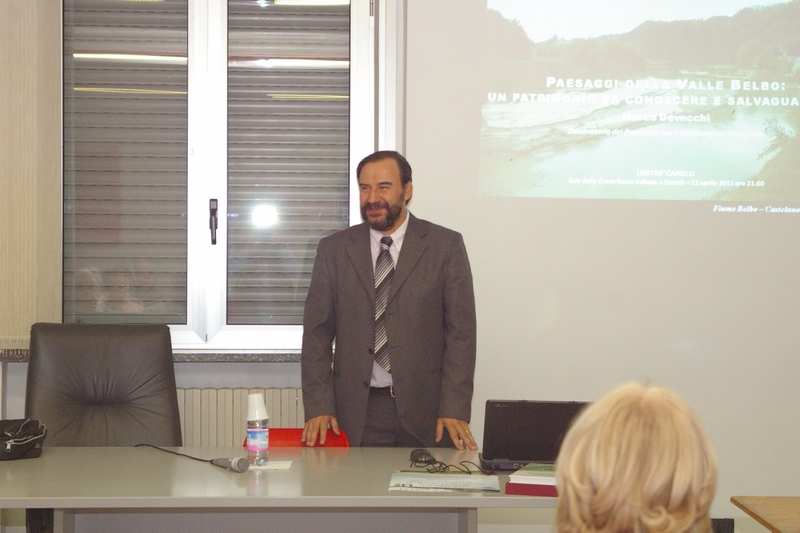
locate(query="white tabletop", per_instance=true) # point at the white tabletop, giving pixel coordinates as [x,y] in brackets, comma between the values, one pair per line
[145,478]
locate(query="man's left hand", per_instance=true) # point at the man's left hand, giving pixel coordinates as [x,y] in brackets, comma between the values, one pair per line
[459,433]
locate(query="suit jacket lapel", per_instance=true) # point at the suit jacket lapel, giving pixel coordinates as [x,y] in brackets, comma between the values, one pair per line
[413,247]
[361,256]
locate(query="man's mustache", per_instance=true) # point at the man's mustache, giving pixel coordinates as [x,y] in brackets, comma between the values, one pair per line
[374,205]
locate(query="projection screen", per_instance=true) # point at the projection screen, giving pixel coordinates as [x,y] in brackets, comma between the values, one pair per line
[625,175]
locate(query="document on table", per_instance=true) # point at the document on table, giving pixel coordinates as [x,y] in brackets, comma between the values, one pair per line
[273,465]
[443,482]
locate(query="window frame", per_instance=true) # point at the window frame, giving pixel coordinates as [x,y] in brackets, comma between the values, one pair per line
[206,330]
[377,61]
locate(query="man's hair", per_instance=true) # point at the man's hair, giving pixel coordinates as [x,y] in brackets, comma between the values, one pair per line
[402,164]
[636,461]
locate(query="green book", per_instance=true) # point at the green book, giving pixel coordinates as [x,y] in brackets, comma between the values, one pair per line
[535,473]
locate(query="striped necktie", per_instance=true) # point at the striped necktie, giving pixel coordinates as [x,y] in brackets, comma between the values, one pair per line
[384,270]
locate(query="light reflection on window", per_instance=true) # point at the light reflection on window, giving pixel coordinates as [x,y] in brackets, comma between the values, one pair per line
[264,216]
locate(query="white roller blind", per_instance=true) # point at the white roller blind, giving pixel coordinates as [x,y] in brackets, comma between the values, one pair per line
[288,151]
[125,182]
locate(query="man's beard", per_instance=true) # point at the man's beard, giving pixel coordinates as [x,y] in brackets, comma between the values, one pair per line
[393,212]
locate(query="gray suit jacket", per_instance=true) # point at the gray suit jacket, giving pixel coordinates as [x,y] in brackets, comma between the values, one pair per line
[430,322]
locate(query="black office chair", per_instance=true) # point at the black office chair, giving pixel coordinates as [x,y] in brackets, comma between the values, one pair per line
[101,385]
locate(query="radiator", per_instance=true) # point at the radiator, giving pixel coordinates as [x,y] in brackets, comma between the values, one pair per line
[218,417]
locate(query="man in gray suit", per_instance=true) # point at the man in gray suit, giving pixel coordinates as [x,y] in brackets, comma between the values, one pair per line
[402,370]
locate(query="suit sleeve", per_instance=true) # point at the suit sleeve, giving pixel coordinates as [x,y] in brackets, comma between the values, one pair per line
[458,369]
[319,327]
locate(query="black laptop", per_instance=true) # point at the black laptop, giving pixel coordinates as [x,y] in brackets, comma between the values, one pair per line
[518,432]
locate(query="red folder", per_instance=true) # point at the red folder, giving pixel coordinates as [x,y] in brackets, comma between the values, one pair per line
[530,489]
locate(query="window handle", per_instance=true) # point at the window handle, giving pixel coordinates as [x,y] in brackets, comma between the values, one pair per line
[212,220]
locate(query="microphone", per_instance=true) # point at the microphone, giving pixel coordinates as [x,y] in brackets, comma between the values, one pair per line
[237,464]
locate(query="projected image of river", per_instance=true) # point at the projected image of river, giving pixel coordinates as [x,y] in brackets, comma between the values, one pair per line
[626,149]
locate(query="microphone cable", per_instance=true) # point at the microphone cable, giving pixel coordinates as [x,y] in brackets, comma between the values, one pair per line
[237,467]
[422,458]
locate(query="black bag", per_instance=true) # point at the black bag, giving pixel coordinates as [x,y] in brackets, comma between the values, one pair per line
[21,439]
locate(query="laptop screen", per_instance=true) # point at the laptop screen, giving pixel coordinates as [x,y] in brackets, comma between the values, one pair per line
[523,431]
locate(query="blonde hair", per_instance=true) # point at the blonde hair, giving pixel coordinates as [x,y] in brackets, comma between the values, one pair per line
[636,461]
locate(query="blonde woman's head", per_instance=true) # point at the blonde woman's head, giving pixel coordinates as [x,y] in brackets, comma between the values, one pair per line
[636,461]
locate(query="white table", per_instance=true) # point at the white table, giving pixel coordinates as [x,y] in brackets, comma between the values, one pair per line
[339,482]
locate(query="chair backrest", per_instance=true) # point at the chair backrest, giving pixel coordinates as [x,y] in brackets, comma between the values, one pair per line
[103,385]
[290,437]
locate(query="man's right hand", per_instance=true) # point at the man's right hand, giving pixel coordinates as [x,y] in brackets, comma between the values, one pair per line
[318,427]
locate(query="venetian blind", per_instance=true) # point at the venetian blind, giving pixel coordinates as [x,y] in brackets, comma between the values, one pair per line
[125,146]
[288,150]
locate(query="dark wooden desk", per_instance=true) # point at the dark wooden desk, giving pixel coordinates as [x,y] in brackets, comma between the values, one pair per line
[779,514]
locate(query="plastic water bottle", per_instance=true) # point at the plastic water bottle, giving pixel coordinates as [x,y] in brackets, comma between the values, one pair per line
[257,430]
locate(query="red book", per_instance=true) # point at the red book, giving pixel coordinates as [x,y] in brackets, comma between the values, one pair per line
[530,489]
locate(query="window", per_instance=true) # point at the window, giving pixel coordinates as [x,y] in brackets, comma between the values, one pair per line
[172,105]
[125,142]
[288,135]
